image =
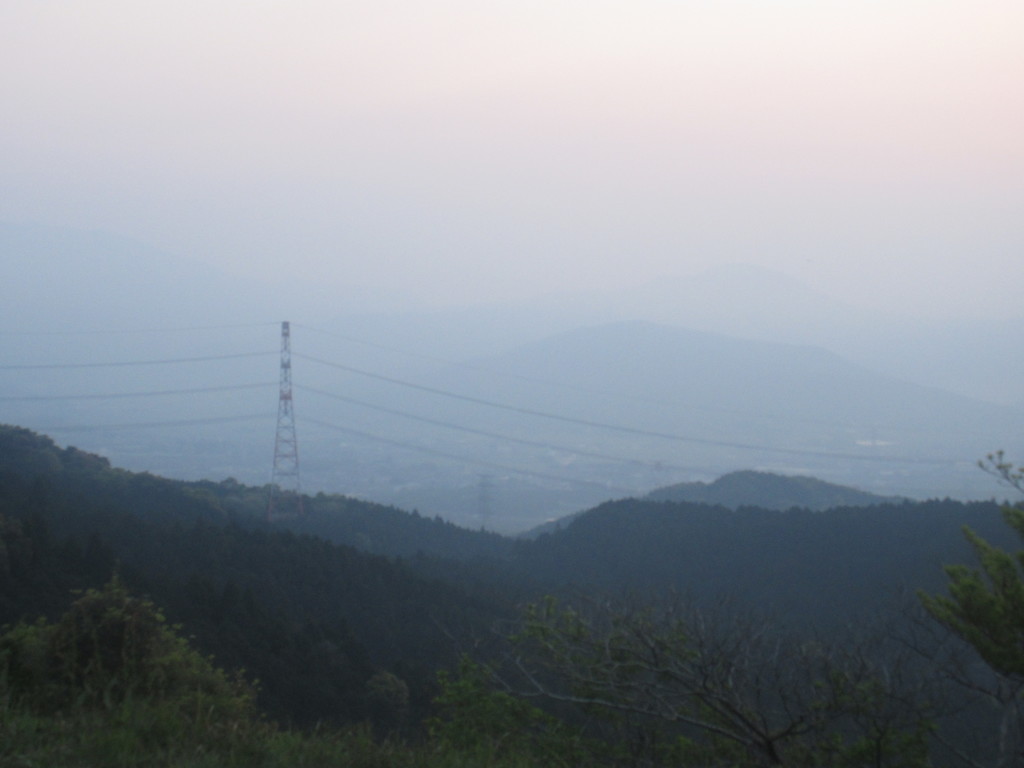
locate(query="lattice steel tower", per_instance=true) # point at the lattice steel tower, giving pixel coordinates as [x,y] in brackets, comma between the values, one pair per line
[285,492]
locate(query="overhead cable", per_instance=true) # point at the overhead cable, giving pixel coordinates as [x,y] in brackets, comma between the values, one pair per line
[620,428]
[155,393]
[128,363]
[122,331]
[574,387]
[465,460]
[493,435]
[156,424]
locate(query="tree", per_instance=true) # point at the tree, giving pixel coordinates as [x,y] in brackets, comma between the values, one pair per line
[985,608]
[475,719]
[388,699]
[734,690]
[112,649]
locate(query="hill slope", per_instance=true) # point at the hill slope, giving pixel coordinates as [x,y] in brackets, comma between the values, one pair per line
[313,620]
[769,491]
[820,568]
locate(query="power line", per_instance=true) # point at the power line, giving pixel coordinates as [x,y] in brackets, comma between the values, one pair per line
[620,428]
[493,435]
[465,460]
[436,391]
[156,424]
[120,395]
[128,363]
[471,366]
[573,387]
[123,331]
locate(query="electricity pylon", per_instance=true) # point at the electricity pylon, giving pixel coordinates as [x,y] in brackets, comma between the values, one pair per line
[285,492]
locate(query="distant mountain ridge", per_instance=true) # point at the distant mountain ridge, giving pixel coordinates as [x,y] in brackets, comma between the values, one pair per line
[681,359]
[750,488]
[735,403]
[769,490]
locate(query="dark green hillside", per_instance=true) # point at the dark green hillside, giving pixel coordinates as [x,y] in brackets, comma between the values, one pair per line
[822,567]
[389,531]
[473,561]
[335,633]
[377,528]
[314,621]
[767,490]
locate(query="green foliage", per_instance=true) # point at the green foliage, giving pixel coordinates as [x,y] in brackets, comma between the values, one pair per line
[985,605]
[675,685]
[985,608]
[112,684]
[319,623]
[387,698]
[111,681]
[314,621]
[474,717]
[108,650]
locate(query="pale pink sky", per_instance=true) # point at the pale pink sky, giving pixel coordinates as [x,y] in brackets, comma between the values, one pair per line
[454,151]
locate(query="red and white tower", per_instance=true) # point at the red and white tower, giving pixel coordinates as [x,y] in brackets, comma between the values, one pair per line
[285,492]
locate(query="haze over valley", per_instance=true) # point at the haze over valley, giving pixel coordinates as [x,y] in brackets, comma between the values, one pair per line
[497,415]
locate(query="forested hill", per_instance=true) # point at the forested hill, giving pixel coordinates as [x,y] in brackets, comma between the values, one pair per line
[367,526]
[828,567]
[749,488]
[767,490]
[314,621]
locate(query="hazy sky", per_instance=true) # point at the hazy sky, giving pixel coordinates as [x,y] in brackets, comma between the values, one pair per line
[455,150]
